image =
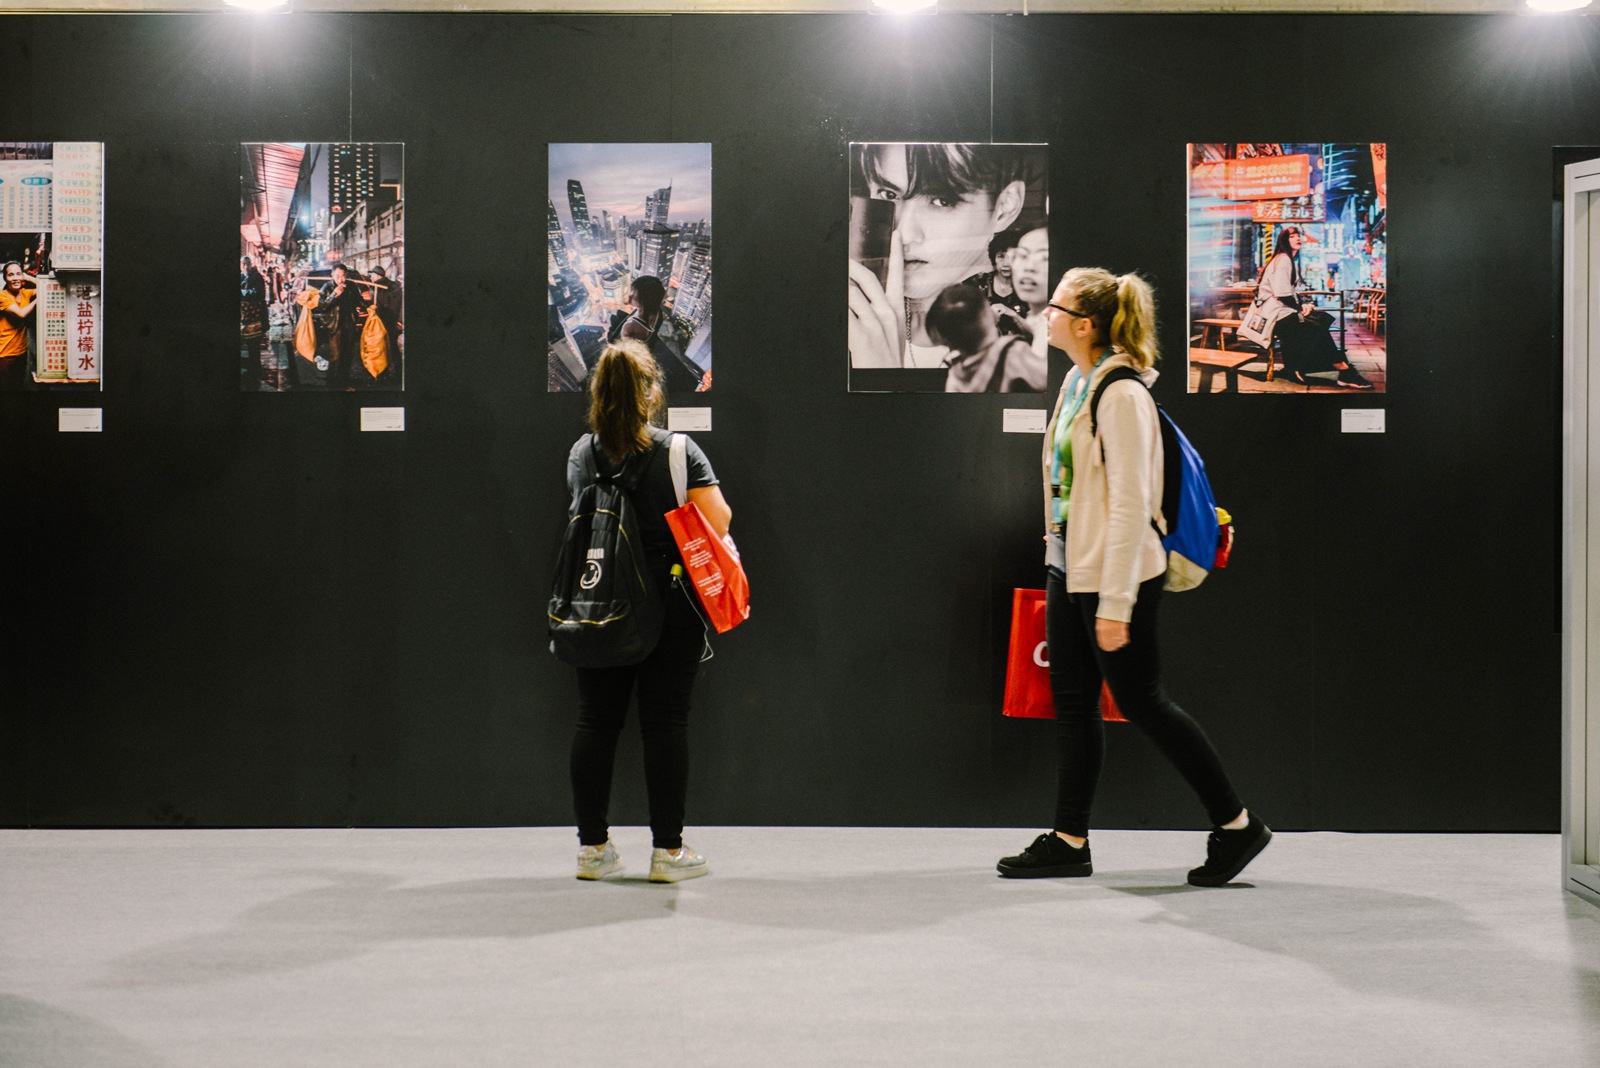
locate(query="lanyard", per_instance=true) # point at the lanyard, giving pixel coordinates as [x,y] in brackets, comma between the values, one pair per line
[1061,452]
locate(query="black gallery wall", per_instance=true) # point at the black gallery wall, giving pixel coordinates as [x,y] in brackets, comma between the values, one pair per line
[236,609]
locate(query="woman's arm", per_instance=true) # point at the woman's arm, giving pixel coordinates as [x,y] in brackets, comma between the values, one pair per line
[713,506]
[1127,430]
[20,312]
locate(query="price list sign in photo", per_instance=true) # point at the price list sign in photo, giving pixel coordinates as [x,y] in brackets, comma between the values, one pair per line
[79,206]
[53,345]
[25,187]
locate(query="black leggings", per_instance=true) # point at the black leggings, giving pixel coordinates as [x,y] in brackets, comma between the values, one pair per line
[1077,665]
[664,681]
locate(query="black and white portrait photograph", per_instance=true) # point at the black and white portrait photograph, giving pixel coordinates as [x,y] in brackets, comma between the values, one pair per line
[949,267]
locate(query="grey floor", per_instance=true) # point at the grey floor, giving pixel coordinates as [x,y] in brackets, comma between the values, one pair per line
[804,947]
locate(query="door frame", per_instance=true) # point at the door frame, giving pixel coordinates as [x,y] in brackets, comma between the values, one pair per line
[1580,574]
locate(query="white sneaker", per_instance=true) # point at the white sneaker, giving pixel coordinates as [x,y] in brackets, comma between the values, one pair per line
[596,862]
[675,865]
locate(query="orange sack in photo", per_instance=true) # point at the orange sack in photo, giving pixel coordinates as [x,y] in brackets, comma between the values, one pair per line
[374,345]
[305,334]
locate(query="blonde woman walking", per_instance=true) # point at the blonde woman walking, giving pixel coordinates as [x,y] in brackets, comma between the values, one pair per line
[1104,575]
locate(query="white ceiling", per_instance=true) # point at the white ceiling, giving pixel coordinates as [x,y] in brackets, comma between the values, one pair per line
[1019,7]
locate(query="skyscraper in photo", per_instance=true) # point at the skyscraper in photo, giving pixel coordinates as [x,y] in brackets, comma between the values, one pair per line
[553,238]
[582,228]
[352,176]
[656,206]
[679,259]
[694,286]
[656,249]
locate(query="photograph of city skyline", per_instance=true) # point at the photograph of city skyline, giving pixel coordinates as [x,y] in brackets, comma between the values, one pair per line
[618,213]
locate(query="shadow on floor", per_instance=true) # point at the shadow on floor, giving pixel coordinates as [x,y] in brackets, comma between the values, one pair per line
[38,1036]
[1369,940]
[1375,942]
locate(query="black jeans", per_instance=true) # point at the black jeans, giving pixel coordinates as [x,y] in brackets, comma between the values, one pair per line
[663,681]
[1077,665]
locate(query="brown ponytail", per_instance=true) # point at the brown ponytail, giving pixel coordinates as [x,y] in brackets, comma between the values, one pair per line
[1123,309]
[624,394]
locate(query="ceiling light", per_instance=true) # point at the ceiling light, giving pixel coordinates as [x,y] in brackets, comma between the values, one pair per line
[1551,6]
[904,5]
[257,5]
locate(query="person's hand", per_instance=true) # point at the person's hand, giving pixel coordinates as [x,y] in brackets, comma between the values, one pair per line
[877,313]
[1011,320]
[1110,634]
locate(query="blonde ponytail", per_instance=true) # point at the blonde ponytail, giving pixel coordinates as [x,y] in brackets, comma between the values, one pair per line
[1123,309]
[1133,328]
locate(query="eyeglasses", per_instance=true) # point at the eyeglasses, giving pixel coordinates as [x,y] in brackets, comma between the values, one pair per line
[1069,311]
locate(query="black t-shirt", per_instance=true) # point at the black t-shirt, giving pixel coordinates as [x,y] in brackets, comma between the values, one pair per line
[653,497]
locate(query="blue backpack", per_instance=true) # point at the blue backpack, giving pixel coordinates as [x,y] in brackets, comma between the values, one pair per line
[1193,536]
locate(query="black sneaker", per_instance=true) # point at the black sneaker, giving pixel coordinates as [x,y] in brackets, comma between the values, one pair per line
[1049,856]
[1227,853]
[1350,378]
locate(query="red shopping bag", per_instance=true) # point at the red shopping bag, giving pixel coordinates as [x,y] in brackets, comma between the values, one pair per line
[713,566]
[1028,665]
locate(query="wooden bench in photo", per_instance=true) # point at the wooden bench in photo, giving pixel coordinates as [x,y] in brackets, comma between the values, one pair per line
[1229,360]
[1219,325]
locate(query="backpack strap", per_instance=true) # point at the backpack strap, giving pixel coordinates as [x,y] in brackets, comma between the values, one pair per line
[678,461]
[1116,374]
[597,470]
[586,464]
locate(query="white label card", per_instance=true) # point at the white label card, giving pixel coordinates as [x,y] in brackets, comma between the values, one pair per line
[78,420]
[689,420]
[1361,420]
[383,419]
[1024,421]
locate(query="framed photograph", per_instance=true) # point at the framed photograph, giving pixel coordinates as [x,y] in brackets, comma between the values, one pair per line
[949,267]
[1288,268]
[322,267]
[628,255]
[52,248]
